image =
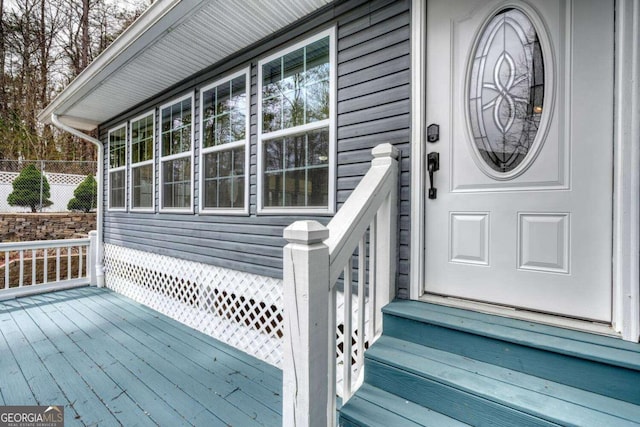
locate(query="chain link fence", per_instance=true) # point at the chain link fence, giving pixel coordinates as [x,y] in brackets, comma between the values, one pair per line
[47,186]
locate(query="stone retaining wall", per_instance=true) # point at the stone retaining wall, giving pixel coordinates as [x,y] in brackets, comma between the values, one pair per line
[19,227]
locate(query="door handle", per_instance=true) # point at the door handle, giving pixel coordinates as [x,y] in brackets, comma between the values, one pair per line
[433,164]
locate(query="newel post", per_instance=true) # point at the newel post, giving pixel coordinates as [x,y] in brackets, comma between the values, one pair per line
[93,256]
[386,226]
[306,336]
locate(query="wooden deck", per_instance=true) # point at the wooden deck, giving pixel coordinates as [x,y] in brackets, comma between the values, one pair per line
[111,361]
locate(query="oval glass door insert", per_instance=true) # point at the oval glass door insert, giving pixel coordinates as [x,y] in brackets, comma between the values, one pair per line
[505,90]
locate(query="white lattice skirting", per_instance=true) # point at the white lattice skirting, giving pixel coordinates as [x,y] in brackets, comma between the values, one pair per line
[241,309]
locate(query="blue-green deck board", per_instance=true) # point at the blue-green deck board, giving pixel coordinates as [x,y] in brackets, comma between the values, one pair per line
[112,361]
[159,324]
[199,351]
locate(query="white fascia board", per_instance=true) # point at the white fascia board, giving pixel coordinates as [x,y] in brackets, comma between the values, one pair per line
[157,19]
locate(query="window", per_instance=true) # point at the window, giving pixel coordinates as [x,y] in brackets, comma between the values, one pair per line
[296,133]
[176,155]
[117,168]
[224,130]
[142,169]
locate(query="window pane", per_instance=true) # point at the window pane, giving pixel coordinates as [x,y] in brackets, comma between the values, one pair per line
[271,113]
[142,139]
[117,147]
[224,179]
[318,148]
[297,170]
[317,97]
[273,154]
[176,183]
[295,88]
[295,151]
[117,189]
[318,186]
[272,196]
[208,129]
[176,128]
[142,177]
[224,112]
[295,188]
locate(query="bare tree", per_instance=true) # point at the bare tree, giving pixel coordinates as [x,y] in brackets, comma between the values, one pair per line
[44,44]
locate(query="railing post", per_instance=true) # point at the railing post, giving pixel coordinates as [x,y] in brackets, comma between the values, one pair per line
[386,229]
[306,338]
[93,256]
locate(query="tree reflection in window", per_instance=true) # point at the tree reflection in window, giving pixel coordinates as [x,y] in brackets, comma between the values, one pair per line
[296,104]
[297,170]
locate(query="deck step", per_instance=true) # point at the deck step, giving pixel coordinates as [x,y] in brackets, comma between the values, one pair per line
[477,393]
[436,365]
[548,352]
[372,406]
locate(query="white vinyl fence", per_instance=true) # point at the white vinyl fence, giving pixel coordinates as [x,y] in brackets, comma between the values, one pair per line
[63,178]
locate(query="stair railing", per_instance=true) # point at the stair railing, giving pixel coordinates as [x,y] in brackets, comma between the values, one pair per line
[314,260]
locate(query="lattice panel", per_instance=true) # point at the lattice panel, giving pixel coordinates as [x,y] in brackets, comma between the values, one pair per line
[64,178]
[241,309]
[8,177]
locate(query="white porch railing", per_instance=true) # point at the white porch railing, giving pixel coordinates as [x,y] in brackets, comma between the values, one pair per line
[314,259]
[47,265]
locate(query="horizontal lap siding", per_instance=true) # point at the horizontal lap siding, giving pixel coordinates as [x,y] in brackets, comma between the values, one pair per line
[373,107]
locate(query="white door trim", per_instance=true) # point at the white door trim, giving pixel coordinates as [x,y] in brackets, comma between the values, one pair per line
[626,219]
[626,178]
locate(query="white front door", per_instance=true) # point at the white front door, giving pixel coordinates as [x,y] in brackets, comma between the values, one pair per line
[523,96]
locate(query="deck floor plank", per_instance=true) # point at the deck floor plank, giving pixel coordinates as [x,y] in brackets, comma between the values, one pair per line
[160,398]
[218,366]
[254,369]
[53,321]
[14,386]
[121,363]
[188,390]
[42,383]
[197,381]
[86,404]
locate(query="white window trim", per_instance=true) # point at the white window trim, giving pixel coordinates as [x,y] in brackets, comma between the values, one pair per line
[331,121]
[118,169]
[188,154]
[247,148]
[152,162]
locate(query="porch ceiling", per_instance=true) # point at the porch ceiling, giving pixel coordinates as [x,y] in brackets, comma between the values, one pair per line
[172,40]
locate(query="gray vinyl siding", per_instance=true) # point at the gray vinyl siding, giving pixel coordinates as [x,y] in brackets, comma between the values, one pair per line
[373,107]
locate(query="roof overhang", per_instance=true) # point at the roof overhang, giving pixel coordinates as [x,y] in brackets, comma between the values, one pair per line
[171,41]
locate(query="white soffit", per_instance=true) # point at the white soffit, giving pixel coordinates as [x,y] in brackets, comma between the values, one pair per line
[171,41]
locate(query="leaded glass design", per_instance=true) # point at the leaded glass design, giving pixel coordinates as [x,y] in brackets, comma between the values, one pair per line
[506,90]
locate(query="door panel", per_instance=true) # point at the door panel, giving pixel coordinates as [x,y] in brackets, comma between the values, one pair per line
[523,214]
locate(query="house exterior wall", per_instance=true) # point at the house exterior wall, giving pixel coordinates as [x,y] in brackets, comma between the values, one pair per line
[373,107]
